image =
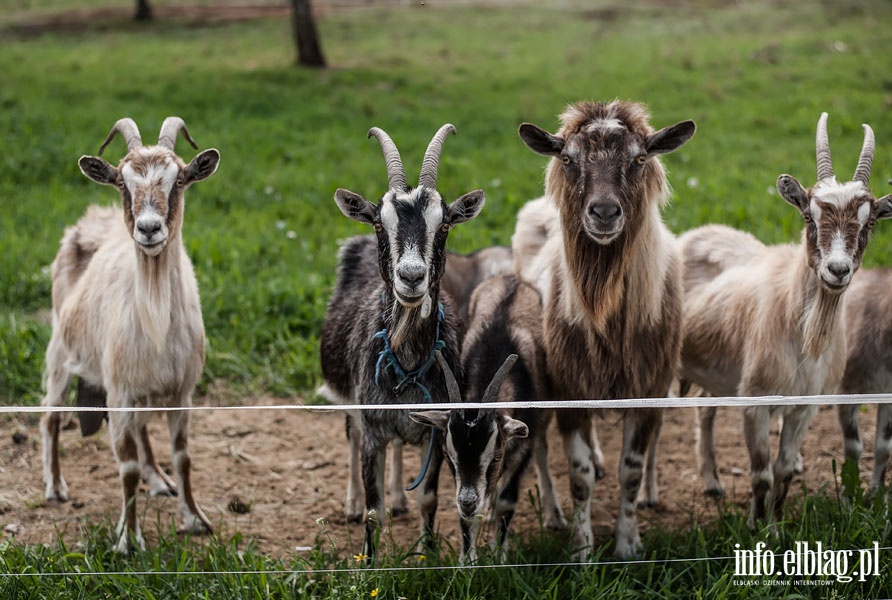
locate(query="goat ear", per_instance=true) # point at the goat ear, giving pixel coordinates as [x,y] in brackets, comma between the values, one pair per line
[670,139]
[434,418]
[793,192]
[202,166]
[98,170]
[540,141]
[465,208]
[356,207]
[884,207]
[514,428]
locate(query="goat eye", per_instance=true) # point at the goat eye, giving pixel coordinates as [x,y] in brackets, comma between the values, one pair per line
[445,227]
[180,182]
[641,159]
[378,227]
[566,160]
[120,184]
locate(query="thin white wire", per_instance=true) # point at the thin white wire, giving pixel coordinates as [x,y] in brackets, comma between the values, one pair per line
[675,402]
[394,569]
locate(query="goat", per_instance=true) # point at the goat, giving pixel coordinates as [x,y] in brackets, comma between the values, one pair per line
[386,318]
[127,318]
[483,447]
[868,360]
[610,278]
[765,320]
[464,272]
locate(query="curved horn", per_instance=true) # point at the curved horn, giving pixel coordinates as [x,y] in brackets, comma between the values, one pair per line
[451,383]
[865,161]
[170,129]
[396,177]
[492,390]
[822,150]
[429,165]
[128,130]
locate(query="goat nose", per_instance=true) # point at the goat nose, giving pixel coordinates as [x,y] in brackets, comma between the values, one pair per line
[148,227]
[839,269]
[605,211]
[411,274]
[467,504]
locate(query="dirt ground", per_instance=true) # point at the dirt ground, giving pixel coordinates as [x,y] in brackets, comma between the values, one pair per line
[289,467]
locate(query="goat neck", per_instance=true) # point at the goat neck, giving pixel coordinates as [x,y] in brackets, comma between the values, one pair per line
[820,310]
[157,288]
[412,332]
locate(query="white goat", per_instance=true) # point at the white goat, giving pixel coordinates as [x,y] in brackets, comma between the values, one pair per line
[127,319]
[868,365]
[765,320]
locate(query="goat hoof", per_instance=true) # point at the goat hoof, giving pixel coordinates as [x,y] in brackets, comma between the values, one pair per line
[196,528]
[57,495]
[398,511]
[164,493]
[715,493]
[354,519]
[556,523]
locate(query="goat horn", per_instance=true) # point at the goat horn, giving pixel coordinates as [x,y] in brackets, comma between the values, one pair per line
[451,383]
[396,177]
[430,164]
[865,160]
[822,150]
[492,390]
[128,130]
[170,129]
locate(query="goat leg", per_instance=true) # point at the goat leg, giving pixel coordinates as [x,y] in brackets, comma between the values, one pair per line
[882,447]
[158,481]
[709,473]
[194,520]
[58,380]
[120,426]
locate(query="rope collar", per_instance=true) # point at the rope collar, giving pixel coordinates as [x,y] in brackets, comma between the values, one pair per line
[388,360]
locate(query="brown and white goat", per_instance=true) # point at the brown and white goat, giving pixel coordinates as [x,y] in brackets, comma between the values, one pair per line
[464,272]
[386,317]
[768,320]
[127,318]
[610,278]
[868,365]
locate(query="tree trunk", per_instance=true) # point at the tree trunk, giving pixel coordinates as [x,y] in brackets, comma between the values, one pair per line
[143,11]
[309,51]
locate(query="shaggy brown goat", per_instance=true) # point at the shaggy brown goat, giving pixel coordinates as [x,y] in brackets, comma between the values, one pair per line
[610,278]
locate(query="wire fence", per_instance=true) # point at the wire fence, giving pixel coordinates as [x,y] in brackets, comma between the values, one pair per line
[614,404]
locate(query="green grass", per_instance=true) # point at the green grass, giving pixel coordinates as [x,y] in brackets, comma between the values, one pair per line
[263,231]
[230,567]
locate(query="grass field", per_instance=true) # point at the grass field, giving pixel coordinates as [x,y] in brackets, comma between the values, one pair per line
[263,231]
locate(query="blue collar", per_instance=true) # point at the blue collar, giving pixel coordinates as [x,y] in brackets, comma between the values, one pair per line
[388,360]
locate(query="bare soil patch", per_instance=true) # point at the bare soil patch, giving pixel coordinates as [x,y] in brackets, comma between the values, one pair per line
[286,469]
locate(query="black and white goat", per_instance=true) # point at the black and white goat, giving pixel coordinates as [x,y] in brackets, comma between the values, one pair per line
[483,447]
[386,319]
